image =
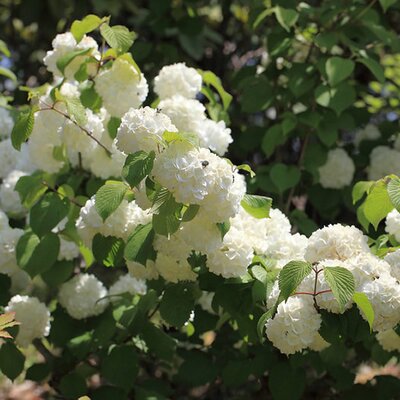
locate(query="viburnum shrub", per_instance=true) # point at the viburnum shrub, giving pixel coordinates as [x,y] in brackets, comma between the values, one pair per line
[137,265]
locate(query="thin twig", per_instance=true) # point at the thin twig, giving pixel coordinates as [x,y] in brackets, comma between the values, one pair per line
[73,201]
[88,133]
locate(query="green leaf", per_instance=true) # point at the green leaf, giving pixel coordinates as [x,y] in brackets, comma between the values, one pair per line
[378,204]
[267,12]
[359,189]
[338,98]
[47,213]
[223,228]
[374,67]
[284,176]
[73,385]
[262,321]
[185,137]
[108,250]
[36,255]
[167,214]
[257,94]
[158,342]
[11,360]
[118,37]
[112,126]
[341,282]
[4,49]
[338,69]
[209,78]
[177,304]
[247,168]
[67,58]
[137,166]
[121,366]
[286,17]
[60,272]
[285,382]
[393,189]
[290,277]
[109,197]
[86,25]
[259,273]
[8,74]
[256,206]
[139,244]
[76,110]
[31,188]
[190,212]
[23,128]
[38,372]
[91,99]
[386,4]
[365,307]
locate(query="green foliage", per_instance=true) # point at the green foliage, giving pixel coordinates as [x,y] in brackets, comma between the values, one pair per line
[109,197]
[118,37]
[341,282]
[137,166]
[108,250]
[139,244]
[11,360]
[365,307]
[23,128]
[290,277]
[257,206]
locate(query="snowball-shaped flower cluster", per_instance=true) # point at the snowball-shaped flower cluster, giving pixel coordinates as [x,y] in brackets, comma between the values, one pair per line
[336,242]
[197,176]
[177,79]
[142,129]
[127,284]
[83,296]
[33,316]
[295,325]
[10,201]
[338,171]
[370,132]
[6,123]
[393,224]
[383,161]
[121,87]
[121,223]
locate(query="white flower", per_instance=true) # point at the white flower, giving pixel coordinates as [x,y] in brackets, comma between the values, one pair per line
[370,132]
[384,295]
[338,171]
[173,270]
[140,271]
[8,241]
[8,158]
[383,161]
[10,201]
[389,340]
[127,284]
[142,129]
[6,123]
[174,246]
[336,242]
[393,259]
[366,267]
[68,250]
[45,138]
[83,296]
[214,135]
[184,113]
[33,316]
[121,87]
[197,176]
[319,343]
[65,43]
[294,326]
[233,257]
[277,223]
[393,224]
[3,221]
[121,223]
[177,79]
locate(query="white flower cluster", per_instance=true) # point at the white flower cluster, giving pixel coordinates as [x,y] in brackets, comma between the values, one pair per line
[393,224]
[33,316]
[336,246]
[383,161]
[370,132]
[338,171]
[120,223]
[83,296]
